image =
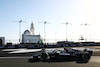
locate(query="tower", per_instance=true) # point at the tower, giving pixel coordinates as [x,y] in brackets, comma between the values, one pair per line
[32,29]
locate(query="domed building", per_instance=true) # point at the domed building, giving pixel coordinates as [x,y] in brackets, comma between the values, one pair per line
[27,32]
[29,37]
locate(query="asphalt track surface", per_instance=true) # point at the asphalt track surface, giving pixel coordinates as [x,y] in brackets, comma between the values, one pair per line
[21,60]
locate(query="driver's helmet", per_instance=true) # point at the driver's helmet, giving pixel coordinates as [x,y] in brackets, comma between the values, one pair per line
[65,48]
[85,50]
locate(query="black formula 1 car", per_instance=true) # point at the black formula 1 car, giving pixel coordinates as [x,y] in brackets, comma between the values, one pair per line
[66,54]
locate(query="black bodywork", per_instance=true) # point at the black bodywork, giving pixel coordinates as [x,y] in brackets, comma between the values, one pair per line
[78,56]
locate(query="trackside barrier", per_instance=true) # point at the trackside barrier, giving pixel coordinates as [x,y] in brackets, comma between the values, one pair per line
[18,46]
[49,45]
[41,46]
[38,46]
[87,44]
[95,45]
[57,45]
[65,45]
[80,45]
[11,46]
[31,46]
[1,47]
[72,45]
[22,46]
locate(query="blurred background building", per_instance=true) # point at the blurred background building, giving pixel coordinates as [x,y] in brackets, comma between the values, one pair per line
[29,37]
[2,41]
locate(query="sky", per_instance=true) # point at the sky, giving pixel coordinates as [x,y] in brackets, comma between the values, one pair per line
[55,12]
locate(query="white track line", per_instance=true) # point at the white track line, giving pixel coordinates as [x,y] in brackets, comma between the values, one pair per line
[12,51]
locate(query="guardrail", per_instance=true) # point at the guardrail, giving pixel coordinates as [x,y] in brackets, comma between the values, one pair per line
[45,46]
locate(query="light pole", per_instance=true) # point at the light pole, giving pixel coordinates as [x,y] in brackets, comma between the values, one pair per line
[66,29]
[20,29]
[85,30]
[55,37]
[44,30]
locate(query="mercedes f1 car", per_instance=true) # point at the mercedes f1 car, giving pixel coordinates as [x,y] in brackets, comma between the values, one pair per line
[66,54]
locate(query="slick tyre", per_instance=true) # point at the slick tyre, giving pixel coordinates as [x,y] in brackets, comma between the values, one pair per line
[45,56]
[86,56]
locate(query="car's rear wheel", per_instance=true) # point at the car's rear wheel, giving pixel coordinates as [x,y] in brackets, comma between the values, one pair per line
[86,56]
[45,56]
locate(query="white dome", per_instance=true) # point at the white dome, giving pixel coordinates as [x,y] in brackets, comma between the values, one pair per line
[27,32]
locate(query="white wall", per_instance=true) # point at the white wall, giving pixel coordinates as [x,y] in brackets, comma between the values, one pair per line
[30,38]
